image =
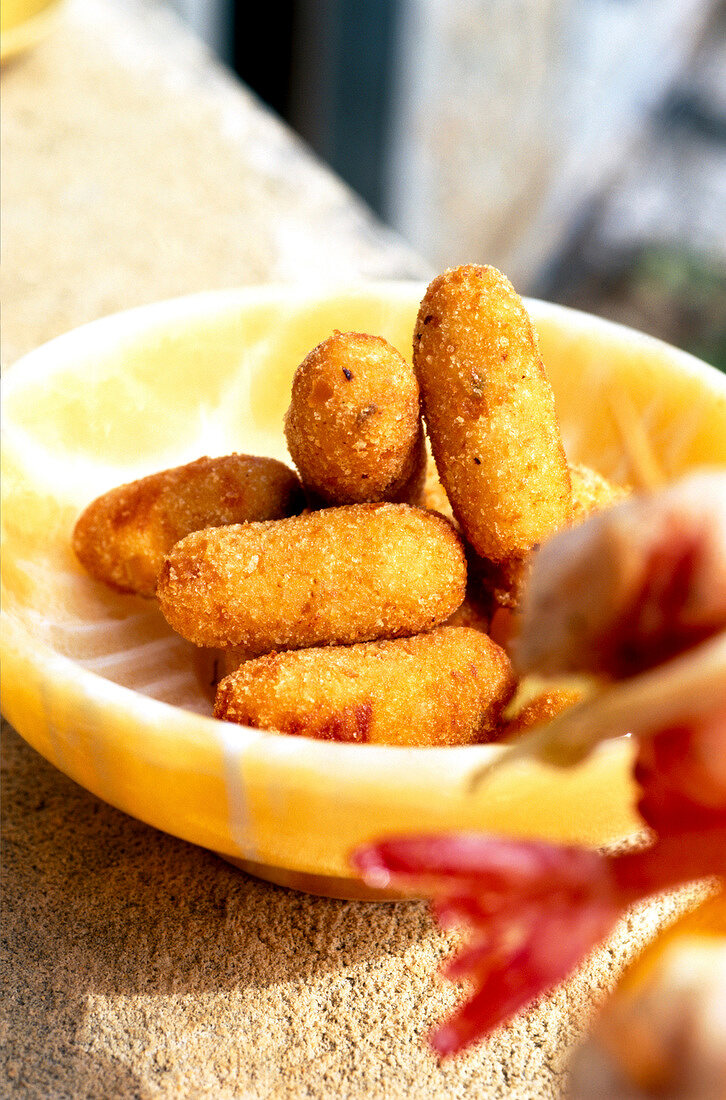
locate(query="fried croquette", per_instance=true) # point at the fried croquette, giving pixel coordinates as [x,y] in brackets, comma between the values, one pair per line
[340,575]
[447,687]
[490,414]
[501,583]
[591,492]
[123,537]
[353,427]
[543,708]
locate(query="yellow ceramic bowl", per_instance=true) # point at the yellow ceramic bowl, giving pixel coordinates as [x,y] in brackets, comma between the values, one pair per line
[98,684]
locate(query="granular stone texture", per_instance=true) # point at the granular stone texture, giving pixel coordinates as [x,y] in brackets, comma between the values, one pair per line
[136,965]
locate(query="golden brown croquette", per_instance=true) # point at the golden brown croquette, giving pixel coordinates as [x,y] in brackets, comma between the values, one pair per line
[353,427]
[340,575]
[490,414]
[447,687]
[591,492]
[123,537]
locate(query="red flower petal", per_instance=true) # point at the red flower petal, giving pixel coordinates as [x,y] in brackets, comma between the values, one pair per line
[486,865]
[671,861]
[553,943]
[535,909]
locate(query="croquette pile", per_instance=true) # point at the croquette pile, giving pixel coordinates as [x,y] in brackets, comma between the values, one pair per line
[356,600]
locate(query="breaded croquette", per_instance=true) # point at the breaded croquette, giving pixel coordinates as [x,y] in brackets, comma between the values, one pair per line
[543,708]
[591,492]
[123,537]
[502,582]
[354,427]
[447,687]
[340,575]
[490,414]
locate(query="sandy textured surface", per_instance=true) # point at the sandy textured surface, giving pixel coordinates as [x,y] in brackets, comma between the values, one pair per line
[136,965]
[133,964]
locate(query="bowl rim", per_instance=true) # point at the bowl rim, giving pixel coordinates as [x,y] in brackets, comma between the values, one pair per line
[198,303]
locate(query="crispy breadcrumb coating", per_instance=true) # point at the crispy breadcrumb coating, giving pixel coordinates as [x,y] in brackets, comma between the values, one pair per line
[490,414]
[340,575]
[447,687]
[353,427]
[502,583]
[591,492]
[123,537]
[543,708]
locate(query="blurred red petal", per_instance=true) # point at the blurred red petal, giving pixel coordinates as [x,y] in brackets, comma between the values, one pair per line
[535,909]
[554,943]
[659,621]
[484,865]
[671,861]
[682,773]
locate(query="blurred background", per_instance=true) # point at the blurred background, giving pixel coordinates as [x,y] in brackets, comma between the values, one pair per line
[579,145]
